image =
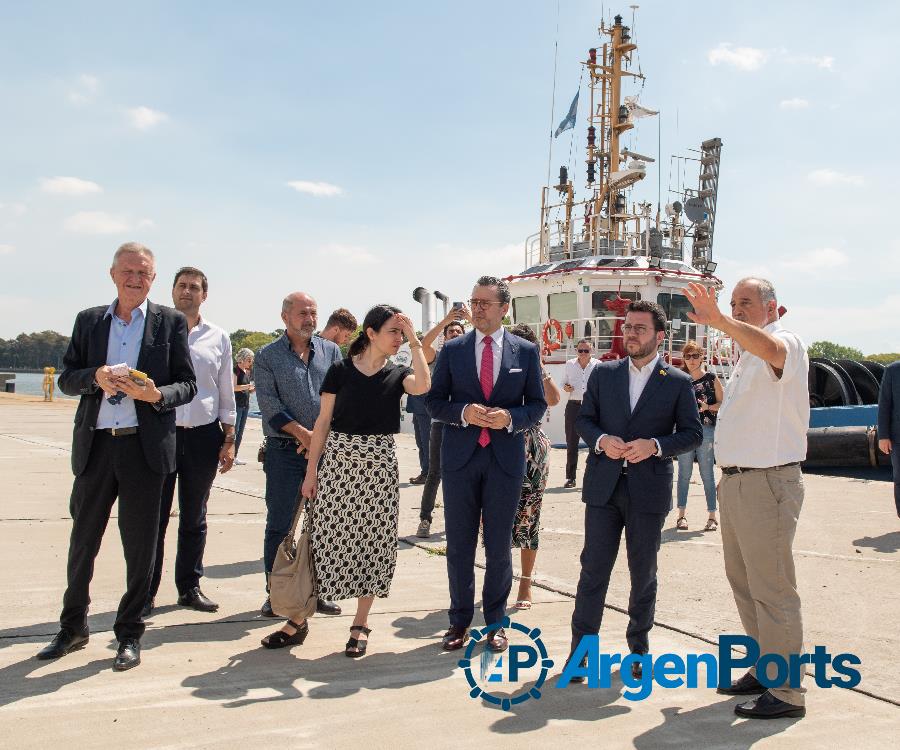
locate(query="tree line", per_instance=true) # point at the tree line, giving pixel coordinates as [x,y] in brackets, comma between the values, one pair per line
[34,351]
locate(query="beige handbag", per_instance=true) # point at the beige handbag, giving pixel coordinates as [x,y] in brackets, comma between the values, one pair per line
[292,583]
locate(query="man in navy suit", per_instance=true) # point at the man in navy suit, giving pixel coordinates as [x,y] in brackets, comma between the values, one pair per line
[889,422]
[487,390]
[637,413]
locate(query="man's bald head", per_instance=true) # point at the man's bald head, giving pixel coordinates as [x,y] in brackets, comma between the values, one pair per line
[300,316]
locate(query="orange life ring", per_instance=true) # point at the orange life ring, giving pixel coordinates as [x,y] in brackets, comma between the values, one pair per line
[549,342]
[570,330]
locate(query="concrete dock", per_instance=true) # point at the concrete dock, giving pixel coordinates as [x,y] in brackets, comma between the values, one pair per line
[206,682]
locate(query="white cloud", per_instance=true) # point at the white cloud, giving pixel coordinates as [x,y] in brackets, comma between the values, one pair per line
[96,222]
[85,90]
[795,103]
[349,254]
[69,186]
[321,189]
[831,177]
[7,249]
[146,224]
[144,118]
[742,58]
[825,62]
[818,260]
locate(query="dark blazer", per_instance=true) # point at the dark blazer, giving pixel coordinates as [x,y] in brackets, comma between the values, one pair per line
[889,404]
[164,356]
[666,410]
[518,389]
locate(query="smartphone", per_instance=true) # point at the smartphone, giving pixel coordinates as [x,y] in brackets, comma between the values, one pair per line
[457,305]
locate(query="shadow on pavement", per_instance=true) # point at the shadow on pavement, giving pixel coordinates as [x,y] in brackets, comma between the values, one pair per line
[889,542]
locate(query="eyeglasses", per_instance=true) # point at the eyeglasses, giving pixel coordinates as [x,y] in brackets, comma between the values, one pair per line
[693,356]
[639,330]
[584,351]
[483,303]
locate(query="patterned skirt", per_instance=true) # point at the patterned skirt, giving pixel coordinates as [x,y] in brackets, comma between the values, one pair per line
[354,519]
[527,526]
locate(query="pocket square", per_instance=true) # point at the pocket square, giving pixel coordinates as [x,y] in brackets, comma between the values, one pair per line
[514,369]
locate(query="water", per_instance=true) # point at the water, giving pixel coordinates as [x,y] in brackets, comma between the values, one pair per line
[31,384]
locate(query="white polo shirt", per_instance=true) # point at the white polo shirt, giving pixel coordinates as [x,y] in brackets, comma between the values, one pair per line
[763,418]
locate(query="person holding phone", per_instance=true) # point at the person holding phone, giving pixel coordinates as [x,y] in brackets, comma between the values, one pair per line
[709,392]
[578,371]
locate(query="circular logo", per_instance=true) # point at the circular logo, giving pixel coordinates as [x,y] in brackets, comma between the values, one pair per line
[516,656]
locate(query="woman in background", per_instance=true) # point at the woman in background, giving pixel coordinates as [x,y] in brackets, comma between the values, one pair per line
[243,387]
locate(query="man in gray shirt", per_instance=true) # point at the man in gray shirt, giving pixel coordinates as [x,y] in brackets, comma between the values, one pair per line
[288,374]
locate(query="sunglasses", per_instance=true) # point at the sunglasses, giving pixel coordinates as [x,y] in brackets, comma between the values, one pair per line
[693,356]
[584,351]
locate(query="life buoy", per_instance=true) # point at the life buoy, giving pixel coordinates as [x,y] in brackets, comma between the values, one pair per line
[551,343]
[570,330]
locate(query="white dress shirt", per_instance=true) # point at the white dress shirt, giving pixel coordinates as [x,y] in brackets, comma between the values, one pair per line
[763,418]
[211,355]
[638,377]
[577,377]
[495,341]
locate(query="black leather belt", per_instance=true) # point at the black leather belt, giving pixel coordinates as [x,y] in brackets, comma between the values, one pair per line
[744,469]
[120,431]
[199,426]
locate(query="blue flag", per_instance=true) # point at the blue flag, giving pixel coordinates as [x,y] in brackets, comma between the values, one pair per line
[569,120]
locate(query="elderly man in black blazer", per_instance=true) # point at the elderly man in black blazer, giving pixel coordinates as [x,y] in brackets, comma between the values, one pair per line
[637,413]
[889,422]
[123,444]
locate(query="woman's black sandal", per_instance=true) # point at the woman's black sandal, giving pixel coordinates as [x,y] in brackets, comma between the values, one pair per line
[355,643]
[280,639]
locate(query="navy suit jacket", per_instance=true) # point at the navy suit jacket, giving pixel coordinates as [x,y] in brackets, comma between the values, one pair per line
[165,357]
[666,410]
[519,389]
[889,404]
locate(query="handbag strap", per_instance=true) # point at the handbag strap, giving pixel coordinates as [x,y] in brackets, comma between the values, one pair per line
[301,504]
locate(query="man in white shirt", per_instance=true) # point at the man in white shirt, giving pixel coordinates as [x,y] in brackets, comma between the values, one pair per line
[578,370]
[204,438]
[759,444]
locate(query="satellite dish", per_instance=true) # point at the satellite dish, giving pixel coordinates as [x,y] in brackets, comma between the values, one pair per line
[695,210]
[677,207]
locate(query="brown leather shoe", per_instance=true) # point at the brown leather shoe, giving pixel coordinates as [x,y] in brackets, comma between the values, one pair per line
[497,641]
[454,638]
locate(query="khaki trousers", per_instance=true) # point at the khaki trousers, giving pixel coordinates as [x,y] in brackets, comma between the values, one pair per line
[759,518]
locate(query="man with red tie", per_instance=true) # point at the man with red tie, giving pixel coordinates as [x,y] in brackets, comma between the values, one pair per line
[487,390]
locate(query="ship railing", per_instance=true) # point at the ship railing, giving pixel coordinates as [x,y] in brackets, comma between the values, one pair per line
[599,330]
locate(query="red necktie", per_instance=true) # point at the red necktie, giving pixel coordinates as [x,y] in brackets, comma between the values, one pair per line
[487,382]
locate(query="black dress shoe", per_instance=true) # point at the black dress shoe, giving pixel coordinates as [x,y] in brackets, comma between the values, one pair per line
[325,607]
[746,685]
[148,608]
[195,599]
[419,479]
[63,642]
[129,654]
[583,663]
[266,609]
[637,671]
[570,483]
[767,706]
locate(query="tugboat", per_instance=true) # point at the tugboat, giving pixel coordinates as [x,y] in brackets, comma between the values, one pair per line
[592,256]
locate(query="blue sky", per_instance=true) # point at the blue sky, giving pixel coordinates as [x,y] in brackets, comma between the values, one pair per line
[359,150]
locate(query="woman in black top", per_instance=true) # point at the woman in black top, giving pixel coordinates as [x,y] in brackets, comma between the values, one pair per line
[243,387]
[356,485]
[709,394]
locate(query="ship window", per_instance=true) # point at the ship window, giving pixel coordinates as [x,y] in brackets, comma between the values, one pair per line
[606,319]
[526,310]
[677,306]
[563,306]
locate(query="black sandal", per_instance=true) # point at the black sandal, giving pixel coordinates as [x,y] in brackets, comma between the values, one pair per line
[280,639]
[354,643]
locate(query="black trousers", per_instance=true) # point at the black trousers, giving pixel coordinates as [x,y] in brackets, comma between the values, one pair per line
[433,479]
[196,462]
[116,468]
[602,534]
[572,438]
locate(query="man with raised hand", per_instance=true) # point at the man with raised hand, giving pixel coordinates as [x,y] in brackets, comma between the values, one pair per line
[759,444]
